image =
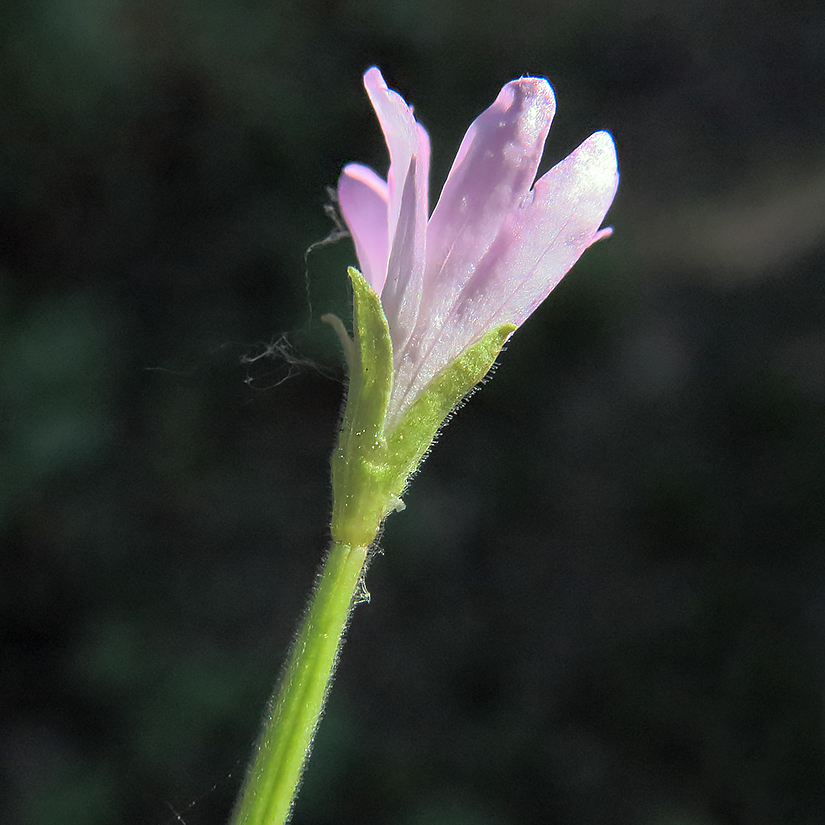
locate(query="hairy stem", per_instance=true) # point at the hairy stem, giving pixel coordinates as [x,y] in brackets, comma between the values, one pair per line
[298,702]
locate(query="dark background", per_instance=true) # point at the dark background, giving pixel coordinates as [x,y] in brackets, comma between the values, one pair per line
[605,602]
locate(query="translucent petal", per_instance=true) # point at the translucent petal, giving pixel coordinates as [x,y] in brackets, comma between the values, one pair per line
[537,245]
[493,171]
[401,134]
[492,174]
[563,219]
[405,267]
[362,196]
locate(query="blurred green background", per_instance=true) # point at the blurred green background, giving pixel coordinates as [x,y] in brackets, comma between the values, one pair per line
[605,602]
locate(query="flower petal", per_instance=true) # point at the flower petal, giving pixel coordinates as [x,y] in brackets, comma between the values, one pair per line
[495,166]
[568,206]
[494,169]
[407,207]
[541,241]
[405,269]
[362,196]
[538,243]
[401,134]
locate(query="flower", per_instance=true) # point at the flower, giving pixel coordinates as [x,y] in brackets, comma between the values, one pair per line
[498,241]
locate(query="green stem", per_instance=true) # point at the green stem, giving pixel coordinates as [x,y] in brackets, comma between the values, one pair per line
[298,701]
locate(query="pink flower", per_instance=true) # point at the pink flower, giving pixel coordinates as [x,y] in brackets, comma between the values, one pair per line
[497,242]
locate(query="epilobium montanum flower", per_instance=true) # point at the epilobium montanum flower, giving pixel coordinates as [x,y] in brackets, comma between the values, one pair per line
[451,287]
[438,298]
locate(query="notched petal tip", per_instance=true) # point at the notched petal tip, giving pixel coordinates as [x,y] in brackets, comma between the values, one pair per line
[530,112]
[536,89]
[535,103]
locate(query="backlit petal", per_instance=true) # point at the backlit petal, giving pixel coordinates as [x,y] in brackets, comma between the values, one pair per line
[542,240]
[401,134]
[536,246]
[493,171]
[362,196]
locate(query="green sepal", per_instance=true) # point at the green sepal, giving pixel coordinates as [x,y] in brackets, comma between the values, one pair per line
[359,460]
[411,437]
[372,465]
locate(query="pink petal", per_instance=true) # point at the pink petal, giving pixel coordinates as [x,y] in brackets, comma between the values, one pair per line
[400,297]
[494,169]
[362,196]
[401,134]
[396,266]
[495,166]
[568,207]
[538,243]
[408,205]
